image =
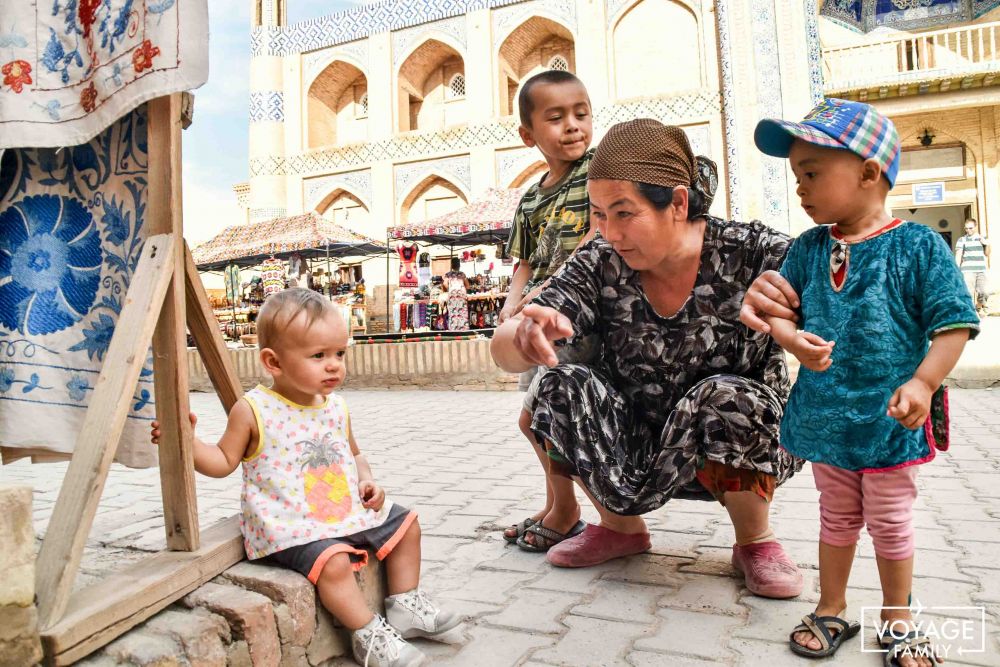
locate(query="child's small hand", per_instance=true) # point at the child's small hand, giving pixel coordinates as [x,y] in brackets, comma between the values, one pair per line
[508,311]
[812,351]
[372,494]
[911,403]
[154,433]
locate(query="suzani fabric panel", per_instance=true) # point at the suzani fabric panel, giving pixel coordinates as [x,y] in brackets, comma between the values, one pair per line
[72,226]
[70,68]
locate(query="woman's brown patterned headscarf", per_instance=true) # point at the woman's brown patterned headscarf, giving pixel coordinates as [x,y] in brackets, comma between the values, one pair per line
[647,151]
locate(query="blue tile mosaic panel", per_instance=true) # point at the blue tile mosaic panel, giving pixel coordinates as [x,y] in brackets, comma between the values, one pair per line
[267,105]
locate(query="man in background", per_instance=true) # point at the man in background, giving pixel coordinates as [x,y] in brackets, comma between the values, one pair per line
[971,253]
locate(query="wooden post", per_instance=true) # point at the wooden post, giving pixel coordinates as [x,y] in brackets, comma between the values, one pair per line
[170,371]
[165,291]
[73,515]
[208,339]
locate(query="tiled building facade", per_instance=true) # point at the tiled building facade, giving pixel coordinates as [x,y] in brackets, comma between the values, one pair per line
[934,70]
[400,111]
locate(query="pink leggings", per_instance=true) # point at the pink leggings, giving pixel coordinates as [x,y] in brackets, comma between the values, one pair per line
[883,501]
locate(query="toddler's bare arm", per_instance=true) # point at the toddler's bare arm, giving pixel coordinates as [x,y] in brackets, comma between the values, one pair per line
[236,442]
[222,459]
[372,494]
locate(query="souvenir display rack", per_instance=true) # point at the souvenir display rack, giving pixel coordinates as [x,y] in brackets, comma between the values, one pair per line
[310,238]
[427,309]
[422,336]
[237,322]
[485,221]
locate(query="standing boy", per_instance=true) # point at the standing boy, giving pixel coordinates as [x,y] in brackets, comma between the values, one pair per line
[551,222]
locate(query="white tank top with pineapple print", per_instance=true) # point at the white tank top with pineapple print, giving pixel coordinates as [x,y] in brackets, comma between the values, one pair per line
[301,483]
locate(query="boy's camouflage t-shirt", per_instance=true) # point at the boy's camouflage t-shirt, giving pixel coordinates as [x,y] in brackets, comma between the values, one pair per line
[550,222]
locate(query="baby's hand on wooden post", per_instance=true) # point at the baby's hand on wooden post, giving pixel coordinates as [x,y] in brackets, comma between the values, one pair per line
[154,428]
[911,403]
[372,495]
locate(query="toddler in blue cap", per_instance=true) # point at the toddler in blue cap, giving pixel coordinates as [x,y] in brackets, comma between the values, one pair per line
[888,294]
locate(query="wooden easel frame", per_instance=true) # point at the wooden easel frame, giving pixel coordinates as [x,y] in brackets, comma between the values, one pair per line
[165,295]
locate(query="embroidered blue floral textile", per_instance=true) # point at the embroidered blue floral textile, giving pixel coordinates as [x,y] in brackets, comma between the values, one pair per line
[50,248]
[902,287]
[71,233]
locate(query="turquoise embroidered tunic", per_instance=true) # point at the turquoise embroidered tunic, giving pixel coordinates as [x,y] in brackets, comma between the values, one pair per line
[901,288]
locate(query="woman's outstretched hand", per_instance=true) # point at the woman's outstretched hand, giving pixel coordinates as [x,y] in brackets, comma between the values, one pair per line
[539,326]
[770,294]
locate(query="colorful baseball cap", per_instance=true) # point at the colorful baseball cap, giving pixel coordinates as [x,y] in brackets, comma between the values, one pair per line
[835,123]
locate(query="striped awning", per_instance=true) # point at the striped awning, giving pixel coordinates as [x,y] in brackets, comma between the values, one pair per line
[309,234]
[486,220]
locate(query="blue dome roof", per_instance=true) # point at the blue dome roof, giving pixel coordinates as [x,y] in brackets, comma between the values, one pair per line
[867,15]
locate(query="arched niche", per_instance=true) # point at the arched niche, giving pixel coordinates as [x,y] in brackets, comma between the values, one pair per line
[537,44]
[345,209]
[427,85]
[433,196]
[529,175]
[337,106]
[641,64]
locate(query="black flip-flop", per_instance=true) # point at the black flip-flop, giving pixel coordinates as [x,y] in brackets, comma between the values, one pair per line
[551,537]
[820,627]
[520,528]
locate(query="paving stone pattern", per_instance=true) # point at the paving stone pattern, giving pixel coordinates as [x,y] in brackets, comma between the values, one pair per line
[458,459]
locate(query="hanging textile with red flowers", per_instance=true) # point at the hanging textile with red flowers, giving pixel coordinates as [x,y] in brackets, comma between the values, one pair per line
[72,70]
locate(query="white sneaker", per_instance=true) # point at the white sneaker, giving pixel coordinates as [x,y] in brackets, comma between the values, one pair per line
[379,645]
[414,614]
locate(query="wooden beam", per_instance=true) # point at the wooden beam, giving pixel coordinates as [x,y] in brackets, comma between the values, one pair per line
[948,101]
[103,611]
[73,514]
[170,371]
[208,339]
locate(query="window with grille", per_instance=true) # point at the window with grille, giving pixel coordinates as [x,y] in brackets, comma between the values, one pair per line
[559,63]
[456,87]
[361,107]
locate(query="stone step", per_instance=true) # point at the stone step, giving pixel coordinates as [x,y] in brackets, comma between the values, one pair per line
[252,615]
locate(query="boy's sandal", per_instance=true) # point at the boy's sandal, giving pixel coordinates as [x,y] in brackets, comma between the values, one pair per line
[546,538]
[519,529]
[912,644]
[831,631]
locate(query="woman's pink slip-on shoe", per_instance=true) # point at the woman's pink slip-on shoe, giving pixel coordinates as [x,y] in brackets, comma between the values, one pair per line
[768,570]
[596,545]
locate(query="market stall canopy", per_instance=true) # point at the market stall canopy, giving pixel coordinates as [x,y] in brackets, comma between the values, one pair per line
[484,221]
[309,235]
[867,15]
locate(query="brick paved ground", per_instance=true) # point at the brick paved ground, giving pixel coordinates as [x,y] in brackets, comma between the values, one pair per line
[458,459]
